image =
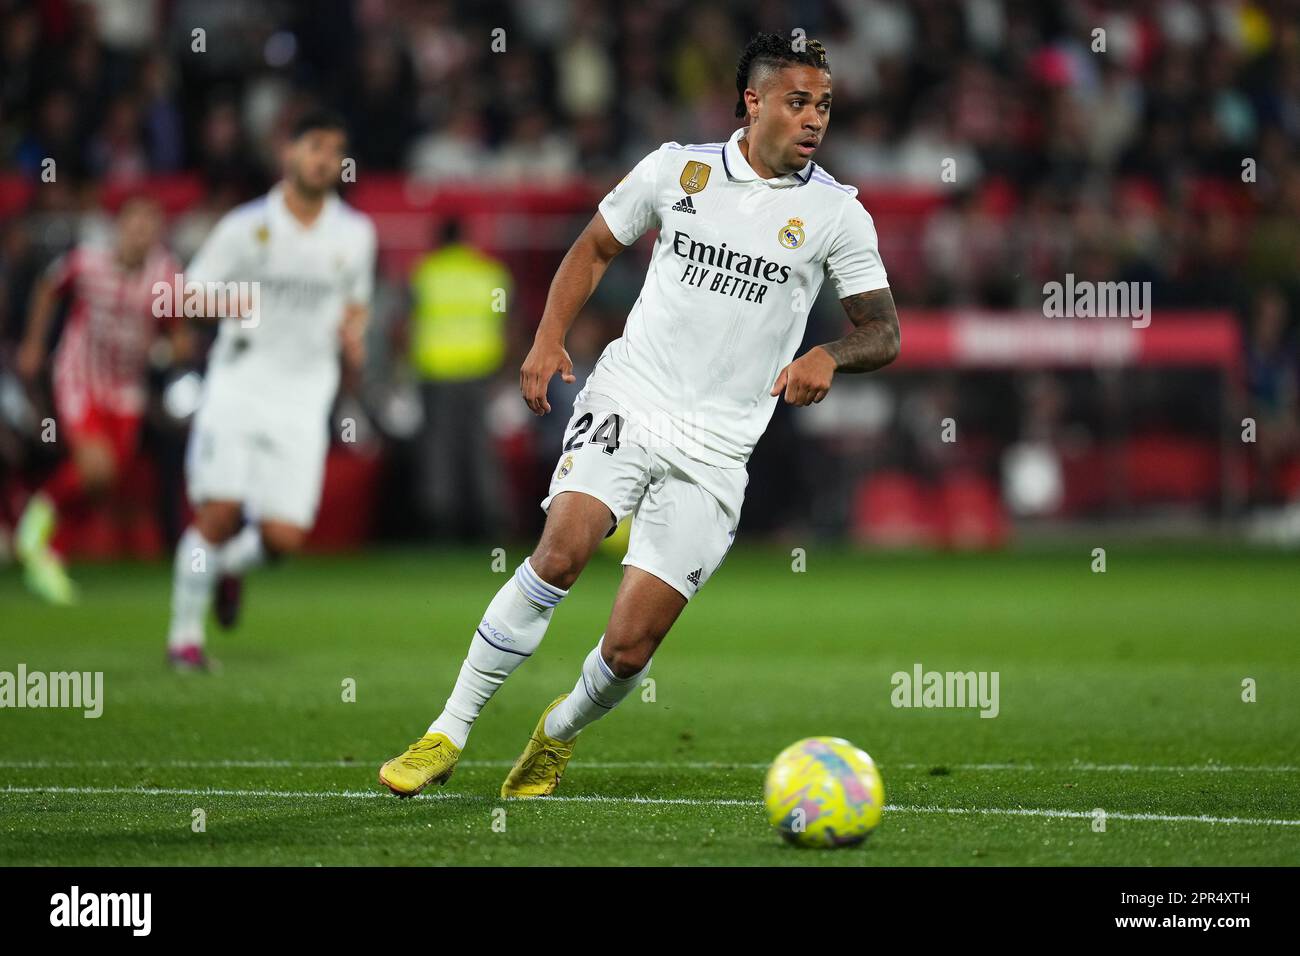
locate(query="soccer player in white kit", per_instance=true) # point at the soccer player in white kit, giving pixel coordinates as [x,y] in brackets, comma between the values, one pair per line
[258,444]
[666,422]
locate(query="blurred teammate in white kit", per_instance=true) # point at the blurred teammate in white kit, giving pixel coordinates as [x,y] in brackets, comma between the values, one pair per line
[257,449]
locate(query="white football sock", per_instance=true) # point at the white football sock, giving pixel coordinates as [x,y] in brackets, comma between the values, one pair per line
[194,572]
[597,692]
[512,627]
[242,552]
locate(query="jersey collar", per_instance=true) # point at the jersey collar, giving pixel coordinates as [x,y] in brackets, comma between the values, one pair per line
[739,170]
[281,210]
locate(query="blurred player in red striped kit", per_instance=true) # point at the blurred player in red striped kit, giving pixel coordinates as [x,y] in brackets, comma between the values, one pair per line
[99,375]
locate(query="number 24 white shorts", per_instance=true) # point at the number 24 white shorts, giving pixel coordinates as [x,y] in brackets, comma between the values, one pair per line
[684,511]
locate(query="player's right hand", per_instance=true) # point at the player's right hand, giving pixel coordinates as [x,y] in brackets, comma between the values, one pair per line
[544,359]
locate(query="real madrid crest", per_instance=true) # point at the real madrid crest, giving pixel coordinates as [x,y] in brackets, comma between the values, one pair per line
[262,234]
[566,466]
[791,234]
[695,176]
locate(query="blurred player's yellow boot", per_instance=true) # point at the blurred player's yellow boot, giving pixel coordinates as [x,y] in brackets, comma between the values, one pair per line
[43,570]
[538,770]
[431,759]
[46,577]
[35,527]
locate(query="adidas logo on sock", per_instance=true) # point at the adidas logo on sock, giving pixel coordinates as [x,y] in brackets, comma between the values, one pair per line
[694,577]
[685,205]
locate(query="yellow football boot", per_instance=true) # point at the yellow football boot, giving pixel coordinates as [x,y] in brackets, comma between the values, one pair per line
[43,569]
[431,759]
[47,578]
[538,770]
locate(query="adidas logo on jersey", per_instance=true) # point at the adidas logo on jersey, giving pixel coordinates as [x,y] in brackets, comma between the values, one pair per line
[685,205]
[694,577]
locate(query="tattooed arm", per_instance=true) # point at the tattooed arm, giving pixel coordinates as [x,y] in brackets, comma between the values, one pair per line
[873,343]
[874,340]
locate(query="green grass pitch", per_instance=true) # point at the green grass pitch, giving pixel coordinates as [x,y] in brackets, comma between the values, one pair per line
[1119,691]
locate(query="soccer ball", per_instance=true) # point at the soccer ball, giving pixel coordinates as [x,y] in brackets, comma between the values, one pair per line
[824,792]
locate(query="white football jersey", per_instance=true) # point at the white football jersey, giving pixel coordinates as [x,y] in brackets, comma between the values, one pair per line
[737,265]
[287,359]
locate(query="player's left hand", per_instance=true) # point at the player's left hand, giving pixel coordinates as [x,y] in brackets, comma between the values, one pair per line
[807,379]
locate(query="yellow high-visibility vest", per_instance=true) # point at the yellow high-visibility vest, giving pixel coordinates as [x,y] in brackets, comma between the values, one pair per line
[458,314]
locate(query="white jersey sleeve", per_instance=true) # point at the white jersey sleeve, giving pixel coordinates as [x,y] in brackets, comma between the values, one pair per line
[631,208]
[222,257]
[360,285]
[853,262]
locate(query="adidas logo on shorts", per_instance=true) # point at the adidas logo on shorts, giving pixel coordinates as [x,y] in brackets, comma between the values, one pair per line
[685,205]
[694,577]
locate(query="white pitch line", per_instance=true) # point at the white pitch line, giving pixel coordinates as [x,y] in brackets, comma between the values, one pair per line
[268,764]
[654,801]
[359,795]
[1106,767]
[1088,815]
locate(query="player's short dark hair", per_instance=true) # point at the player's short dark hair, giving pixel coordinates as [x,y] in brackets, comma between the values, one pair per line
[317,119]
[774,50]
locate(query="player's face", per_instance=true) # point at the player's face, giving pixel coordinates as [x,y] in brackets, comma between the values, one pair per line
[794,113]
[138,227]
[315,159]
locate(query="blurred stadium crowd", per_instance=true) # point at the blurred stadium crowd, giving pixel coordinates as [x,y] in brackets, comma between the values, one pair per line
[1171,155]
